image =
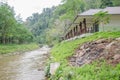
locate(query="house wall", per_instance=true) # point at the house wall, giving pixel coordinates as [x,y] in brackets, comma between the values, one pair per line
[113,25]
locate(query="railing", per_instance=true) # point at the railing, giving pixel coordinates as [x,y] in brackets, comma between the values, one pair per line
[81,29]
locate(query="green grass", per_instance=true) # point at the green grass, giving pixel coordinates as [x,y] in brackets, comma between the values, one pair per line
[62,51]
[10,48]
[95,72]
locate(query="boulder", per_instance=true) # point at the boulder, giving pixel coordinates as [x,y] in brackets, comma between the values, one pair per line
[54,67]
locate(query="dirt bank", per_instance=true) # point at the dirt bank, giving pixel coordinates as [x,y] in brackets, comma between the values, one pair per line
[103,49]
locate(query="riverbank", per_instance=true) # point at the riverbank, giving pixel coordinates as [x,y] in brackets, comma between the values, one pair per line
[97,70]
[12,48]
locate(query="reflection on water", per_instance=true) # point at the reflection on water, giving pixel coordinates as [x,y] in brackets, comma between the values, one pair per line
[24,66]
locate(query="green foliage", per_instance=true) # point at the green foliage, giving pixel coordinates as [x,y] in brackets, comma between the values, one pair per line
[105,3]
[109,3]
[10,48]
[47,71]
[98,71]
[22,34]
[72,8]
[12,31]
[93,4]
[38,23]
[7,21]
[116,2]
[102,18]
[62,51]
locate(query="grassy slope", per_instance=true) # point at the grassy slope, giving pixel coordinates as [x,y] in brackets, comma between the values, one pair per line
[16,48]
[63,50]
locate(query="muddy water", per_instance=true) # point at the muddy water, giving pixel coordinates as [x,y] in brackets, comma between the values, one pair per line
[26,66]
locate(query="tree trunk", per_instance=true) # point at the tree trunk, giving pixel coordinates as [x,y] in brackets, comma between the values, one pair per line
[3,39]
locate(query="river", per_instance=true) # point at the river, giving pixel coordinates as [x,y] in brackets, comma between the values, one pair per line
[25,66]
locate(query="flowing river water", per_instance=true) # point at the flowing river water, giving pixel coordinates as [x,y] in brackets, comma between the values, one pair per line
[25,66]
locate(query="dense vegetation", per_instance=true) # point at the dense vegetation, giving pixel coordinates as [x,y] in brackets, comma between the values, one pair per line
[52,23]
[13,33]
[63,50]
[11,29]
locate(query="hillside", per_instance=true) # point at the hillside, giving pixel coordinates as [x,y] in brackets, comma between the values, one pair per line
[100,62]
[107,49]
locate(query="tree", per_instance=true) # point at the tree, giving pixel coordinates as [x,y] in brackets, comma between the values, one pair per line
[72,8]
[106,3]
[22,34]
[101,18]
[38,23]
[12,30]
[7,21]
[116,2]
[93,4]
